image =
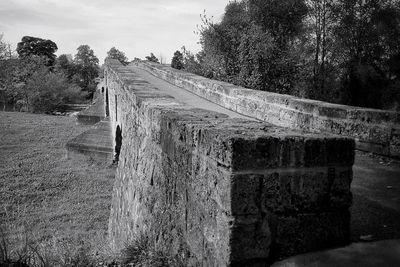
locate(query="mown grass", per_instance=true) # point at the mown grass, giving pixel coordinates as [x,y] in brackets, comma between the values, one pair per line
[48,202]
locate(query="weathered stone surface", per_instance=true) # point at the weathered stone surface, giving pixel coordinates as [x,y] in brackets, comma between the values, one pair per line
[373,130]
[300,233]
[96,143]
[95,113]
[219,191]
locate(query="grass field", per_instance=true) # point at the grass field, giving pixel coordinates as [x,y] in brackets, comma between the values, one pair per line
[46,199]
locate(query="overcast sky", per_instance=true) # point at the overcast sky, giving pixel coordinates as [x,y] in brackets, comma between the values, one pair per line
[136,27]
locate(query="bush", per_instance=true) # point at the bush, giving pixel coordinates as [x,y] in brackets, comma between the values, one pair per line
[177,60]
[48,92]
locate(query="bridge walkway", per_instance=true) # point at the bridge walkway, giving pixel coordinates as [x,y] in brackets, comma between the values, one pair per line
[185,96]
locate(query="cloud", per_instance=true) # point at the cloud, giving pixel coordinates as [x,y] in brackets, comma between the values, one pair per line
[136,27]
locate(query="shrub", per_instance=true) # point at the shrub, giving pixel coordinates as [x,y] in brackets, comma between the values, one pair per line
[177,60]
[48,92]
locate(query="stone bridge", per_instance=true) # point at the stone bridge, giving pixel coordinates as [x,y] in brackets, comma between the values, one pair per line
[219,175]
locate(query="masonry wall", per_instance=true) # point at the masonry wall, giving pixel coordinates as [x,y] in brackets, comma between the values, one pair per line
[216,191]
[374,130]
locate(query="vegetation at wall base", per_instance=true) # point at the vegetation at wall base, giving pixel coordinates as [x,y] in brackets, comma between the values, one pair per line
[142,252]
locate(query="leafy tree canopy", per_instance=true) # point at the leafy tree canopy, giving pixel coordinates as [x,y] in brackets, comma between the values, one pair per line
[343,51]
[3,48]
[85,56]
[87,68]
[152,58]
[283,19]
[65,64]
[177,60]
[36,46]
[118,55]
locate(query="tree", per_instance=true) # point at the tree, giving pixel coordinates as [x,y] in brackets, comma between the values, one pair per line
[37,46]
[177,60]
[118,55]
[282,19]
[85,56]
[270,27]
[368,33]
[49,92]
[20,72]
[7,67]
[319,53]
[152,58]
[344,51]
[3,47]
[87,68]
[220,42]
[5,50]
[65,64]
[256,58]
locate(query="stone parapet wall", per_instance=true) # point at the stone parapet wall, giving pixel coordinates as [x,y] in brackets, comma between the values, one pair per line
[377,131]
[216,191]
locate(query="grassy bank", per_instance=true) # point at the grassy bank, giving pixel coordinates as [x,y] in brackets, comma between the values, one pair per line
[46,199]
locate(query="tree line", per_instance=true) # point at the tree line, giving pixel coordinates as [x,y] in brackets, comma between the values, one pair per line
[34,79]
[341,51]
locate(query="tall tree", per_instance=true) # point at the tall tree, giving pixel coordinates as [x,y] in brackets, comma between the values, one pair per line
[368,34]
[220,41]
[87,67]
[322,51]
[5,49]
[7,66]
[118,55]
[152,58]
[39,47]
[65,64]
[282,19]
[177,60]
[227,50]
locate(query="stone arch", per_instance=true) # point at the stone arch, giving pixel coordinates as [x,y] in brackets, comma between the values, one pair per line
[118,143]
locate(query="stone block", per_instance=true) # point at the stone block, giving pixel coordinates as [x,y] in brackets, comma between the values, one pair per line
[292,191]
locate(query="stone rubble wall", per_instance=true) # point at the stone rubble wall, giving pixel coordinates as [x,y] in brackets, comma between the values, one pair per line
[217,191]
[374,130]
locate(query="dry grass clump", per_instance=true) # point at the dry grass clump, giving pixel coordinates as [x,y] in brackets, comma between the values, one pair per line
[143,252]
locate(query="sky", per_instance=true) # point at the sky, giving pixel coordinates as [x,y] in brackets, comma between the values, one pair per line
[136,27]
